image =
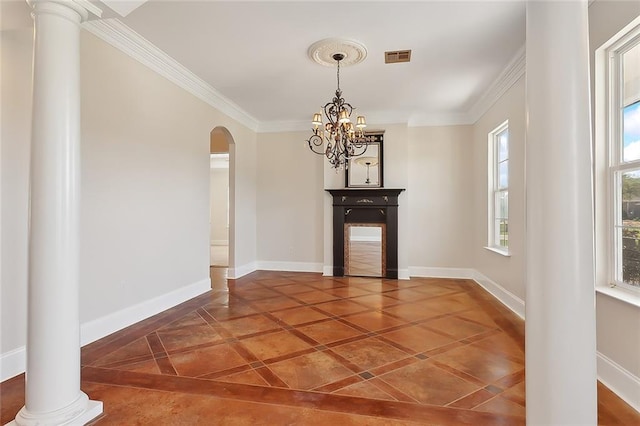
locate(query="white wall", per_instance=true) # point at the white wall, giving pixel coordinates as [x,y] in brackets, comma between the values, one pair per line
[441,208]
[218,189]
[290,203]
[618,322]
[507,272]
[15,136]
[145,191]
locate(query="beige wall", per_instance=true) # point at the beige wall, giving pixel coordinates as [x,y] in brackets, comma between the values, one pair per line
[441,210]
[15,133]
[290,200]
[507,272]
[219,204]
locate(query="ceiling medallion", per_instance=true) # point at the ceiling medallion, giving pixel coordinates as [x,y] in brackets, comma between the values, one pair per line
[321,52]
[339,139]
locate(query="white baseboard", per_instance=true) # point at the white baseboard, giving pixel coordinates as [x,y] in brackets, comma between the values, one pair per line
[13,362]
[619,380]
[219,242]
[241,271]
[289,266]
[404,274]
[427,272]
[507,298]
[327,270]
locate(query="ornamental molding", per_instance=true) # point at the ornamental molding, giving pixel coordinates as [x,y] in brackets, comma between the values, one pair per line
[123,38]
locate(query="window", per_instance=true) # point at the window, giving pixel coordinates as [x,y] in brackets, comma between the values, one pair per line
[623,137]
[499,188]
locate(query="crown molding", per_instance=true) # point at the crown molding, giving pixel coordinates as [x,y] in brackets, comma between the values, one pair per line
[512,73]
[120,36]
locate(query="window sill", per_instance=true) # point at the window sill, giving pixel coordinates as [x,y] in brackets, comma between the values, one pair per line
[629,296]
[500,252]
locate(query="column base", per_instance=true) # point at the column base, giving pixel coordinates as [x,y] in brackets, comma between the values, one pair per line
[78,413]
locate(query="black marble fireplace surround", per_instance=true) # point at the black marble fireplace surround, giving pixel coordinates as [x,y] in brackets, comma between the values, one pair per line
[364,206]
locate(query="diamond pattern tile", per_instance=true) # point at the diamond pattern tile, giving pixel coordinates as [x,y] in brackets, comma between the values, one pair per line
[367,350]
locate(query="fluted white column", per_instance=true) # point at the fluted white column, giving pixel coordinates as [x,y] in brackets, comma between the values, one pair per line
[53,395]
[560,301]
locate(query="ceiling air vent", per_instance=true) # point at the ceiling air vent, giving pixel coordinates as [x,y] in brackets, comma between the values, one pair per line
[397,56]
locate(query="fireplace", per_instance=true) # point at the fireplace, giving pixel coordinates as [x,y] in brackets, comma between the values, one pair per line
[358,207]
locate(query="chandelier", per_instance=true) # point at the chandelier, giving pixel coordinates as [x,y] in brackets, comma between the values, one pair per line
[344,139]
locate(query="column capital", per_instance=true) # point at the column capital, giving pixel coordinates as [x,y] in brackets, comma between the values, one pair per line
[84,8]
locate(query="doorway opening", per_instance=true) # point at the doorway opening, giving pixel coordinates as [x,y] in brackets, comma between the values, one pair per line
[221,204]
[365,249]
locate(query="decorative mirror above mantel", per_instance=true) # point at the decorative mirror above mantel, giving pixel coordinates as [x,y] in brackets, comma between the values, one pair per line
[366,170]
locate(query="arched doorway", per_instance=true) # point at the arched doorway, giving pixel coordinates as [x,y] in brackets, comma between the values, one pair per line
[222,204]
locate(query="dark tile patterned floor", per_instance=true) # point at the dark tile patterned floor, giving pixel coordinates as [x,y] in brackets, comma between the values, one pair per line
[296,348]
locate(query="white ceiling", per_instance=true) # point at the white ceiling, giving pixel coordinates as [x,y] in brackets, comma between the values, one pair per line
[255,53]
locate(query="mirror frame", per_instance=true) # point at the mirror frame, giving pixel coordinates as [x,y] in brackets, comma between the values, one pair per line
[374,138]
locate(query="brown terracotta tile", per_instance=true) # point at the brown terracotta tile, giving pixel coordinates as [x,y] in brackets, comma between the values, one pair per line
[365,390]
[428,384]
[376,301]
[417,338]
[175,339]
[293,289]
[502,405]
[205,361]
[478,363]
[150,367]
[298,316]
[374,321]
[274,303]
[310,371]
[347,292]
[516,394]
[249,325]
[407,295]
[414,312]
[473,399]
[249,377]
[256,294]
[328,331]
[274,345]
[313,297]
[138,350]
[454,327]
[341,307]
[233,310]
[369,353]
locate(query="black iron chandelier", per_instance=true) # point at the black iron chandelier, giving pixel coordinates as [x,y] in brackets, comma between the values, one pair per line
[344,140]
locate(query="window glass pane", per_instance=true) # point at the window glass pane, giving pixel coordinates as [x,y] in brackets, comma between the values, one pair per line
[503,146]
[503,175]
[631,255]
[631,132]
[631,75]
[502,205]
[630,216]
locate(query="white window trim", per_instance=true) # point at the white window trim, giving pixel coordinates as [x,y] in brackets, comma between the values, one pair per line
[608,169]
[491,188]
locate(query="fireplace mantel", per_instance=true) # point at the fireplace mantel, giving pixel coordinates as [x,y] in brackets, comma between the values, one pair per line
[366,205]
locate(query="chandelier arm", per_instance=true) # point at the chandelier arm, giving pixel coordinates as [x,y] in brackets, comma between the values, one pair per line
[316,144]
